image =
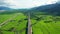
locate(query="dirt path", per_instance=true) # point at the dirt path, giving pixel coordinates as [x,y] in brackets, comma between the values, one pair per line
[5,22]
[29,25]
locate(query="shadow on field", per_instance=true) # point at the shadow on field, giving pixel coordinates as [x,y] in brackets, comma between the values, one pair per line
[26,29]
[7,12]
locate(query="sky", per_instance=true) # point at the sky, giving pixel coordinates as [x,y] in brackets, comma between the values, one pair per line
[17,4]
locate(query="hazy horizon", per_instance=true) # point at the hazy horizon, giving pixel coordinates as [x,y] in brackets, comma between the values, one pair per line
[18,4]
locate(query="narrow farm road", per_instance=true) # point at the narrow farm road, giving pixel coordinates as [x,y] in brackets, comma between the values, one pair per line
[5,22]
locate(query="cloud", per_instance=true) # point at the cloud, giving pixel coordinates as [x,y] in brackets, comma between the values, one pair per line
[25,3]
[2,2]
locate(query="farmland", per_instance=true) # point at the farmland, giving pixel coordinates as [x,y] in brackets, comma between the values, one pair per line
[14,21]
[46,26]
[41,23]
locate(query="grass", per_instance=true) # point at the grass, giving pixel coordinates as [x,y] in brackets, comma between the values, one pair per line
[41,24]
[18,22]
[4,17]
[46,28]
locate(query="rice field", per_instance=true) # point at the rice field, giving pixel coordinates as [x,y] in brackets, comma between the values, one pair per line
[16,23]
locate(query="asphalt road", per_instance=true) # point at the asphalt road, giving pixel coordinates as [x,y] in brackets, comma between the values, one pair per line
[29,25]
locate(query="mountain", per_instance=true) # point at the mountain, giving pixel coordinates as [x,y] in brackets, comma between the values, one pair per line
[53,9]
[4,8]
